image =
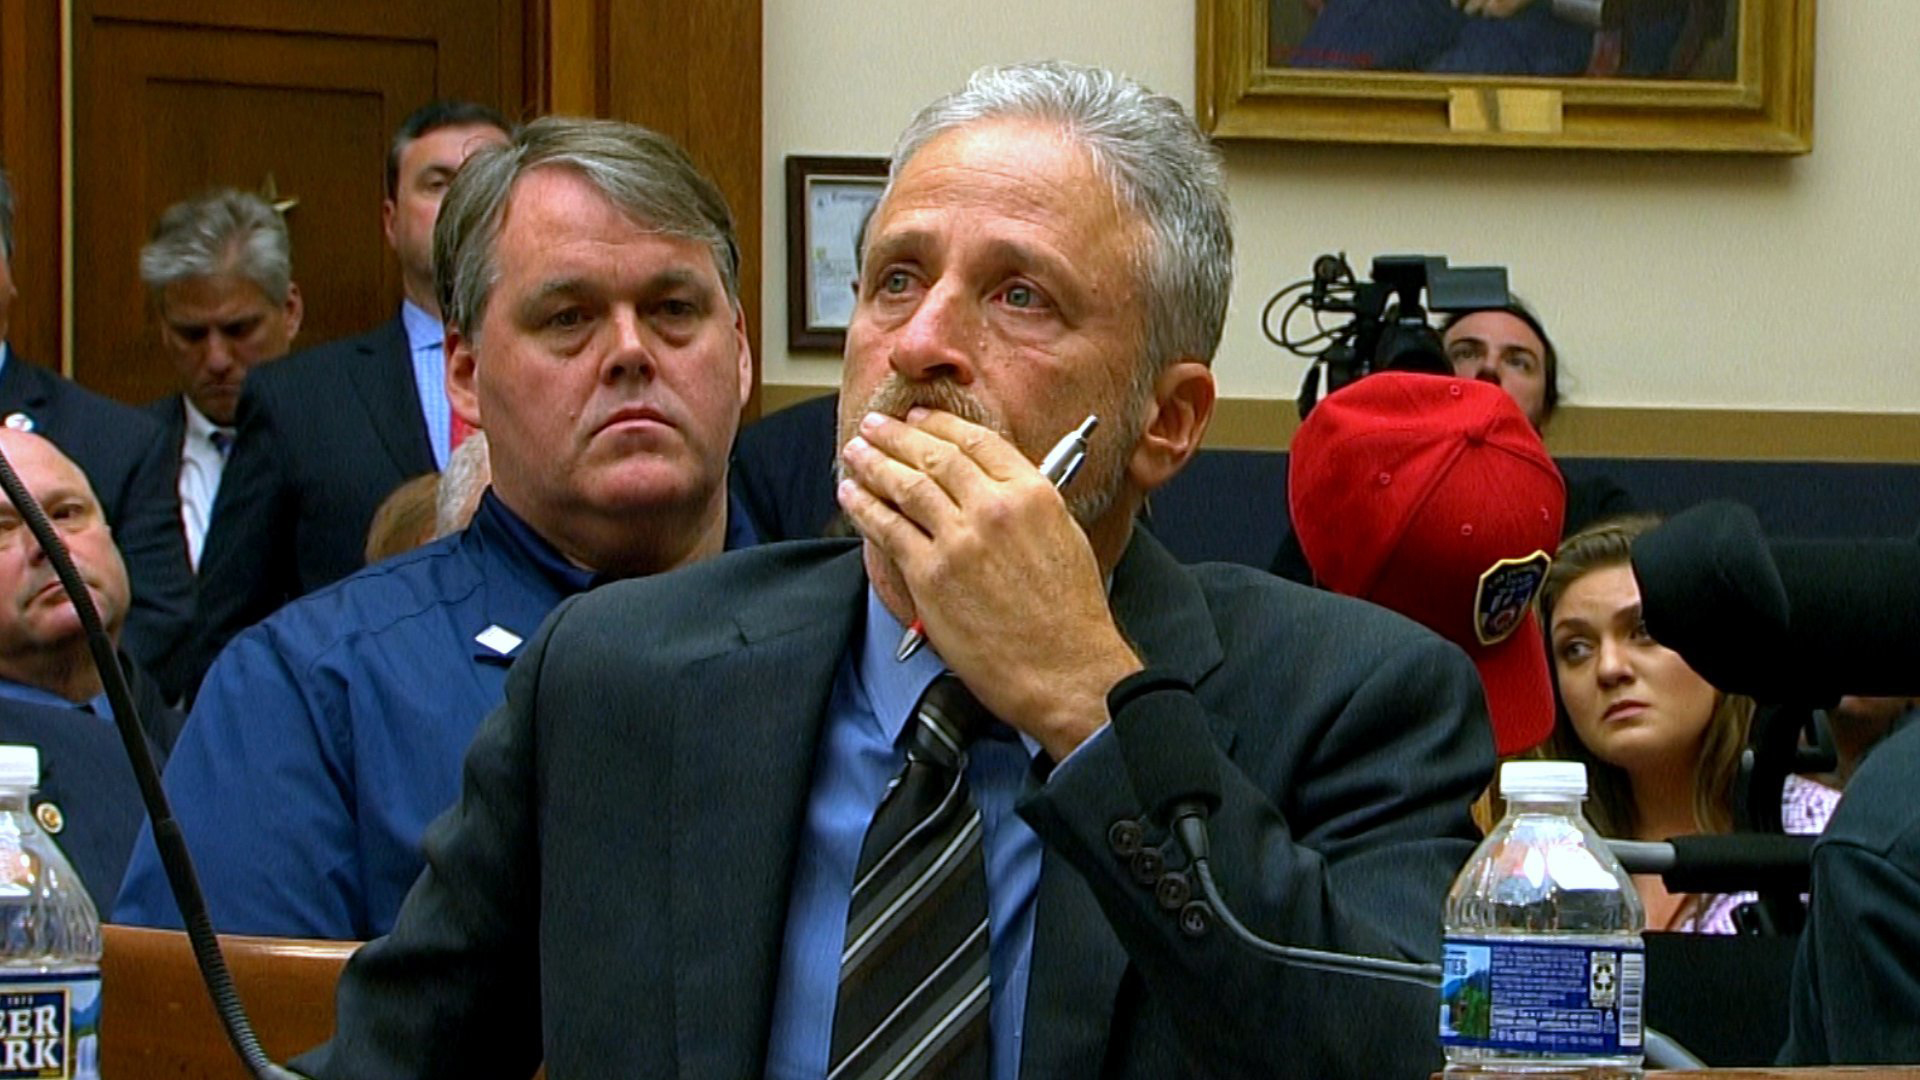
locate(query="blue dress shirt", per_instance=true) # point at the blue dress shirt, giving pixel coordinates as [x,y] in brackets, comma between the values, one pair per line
[860,751]
[426,339]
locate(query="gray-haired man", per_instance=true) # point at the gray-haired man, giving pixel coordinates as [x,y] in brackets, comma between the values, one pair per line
[688,845]
[219,271]
[589,275]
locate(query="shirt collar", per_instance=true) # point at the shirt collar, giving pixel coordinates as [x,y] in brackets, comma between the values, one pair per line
[423,330]
[494,519]
[892,686]
[34,695]
[198,426]
[531,555]
[552,564]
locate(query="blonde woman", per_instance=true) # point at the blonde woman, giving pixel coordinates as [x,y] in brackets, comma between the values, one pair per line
[1662,746]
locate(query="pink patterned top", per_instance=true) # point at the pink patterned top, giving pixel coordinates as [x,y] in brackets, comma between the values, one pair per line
[1805,807]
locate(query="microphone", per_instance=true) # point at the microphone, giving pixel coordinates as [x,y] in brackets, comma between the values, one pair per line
[166,831]
[1724,863]
[1790,621]
[1179,782]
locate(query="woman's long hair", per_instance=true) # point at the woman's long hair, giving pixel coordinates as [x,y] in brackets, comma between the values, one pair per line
[1610,804]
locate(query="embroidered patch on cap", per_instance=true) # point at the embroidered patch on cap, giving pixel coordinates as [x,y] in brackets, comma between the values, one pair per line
[1505,591]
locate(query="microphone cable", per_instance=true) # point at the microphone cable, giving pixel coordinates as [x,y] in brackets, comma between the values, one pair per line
[1190,827]
[167,836]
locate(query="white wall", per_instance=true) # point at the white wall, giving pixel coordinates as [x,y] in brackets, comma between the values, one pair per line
[1682,280]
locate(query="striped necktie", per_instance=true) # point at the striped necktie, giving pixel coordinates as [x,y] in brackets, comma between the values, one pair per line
[913,972]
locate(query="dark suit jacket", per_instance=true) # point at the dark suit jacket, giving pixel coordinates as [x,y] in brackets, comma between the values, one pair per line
[323,437]
[85,775]
[171,415]
[611,887]
[121,452]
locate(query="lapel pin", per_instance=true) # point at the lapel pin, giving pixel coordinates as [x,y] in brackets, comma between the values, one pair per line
[50,817]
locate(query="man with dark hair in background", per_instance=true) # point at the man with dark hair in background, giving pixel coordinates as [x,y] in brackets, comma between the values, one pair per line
[219,270]
[1508,347]
[590,278]
[325,435]
[124,457]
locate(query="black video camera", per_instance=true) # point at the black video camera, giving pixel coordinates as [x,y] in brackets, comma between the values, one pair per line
[1388,330]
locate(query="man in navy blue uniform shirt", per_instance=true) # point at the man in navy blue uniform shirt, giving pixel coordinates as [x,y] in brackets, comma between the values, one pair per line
[594,332]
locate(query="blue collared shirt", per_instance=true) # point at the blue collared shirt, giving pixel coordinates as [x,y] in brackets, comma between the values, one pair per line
[33,695]
[335,730]
[860,751]
[426,338]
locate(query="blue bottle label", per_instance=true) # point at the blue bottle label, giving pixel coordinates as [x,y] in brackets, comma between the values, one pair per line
[50,1026]
[1542,997]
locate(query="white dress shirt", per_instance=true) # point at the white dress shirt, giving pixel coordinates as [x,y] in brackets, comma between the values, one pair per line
[201,463]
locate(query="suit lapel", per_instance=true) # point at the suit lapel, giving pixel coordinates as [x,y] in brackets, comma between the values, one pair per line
[1077,962]
[382,378]
[740,778]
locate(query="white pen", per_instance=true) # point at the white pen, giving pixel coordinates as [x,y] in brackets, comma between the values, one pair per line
[1058,467]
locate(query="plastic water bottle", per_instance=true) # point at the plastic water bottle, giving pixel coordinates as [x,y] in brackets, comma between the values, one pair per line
[49,943]
[1544,966]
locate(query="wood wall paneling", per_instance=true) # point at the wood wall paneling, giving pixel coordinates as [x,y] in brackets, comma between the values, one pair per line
[172,97]
[30,152]
[691,71]
[169,111]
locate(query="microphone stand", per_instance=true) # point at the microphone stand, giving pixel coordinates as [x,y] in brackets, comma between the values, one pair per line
[1189,825]
[166,831]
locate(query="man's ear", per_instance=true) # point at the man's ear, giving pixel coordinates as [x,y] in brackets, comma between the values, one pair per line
[463,372]
[1181,408]
[746,354]
[389,209]
[295,308]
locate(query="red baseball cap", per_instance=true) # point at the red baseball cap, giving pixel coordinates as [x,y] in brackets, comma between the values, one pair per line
[1434,497]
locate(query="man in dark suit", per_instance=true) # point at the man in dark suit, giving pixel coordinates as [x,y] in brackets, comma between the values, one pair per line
[219,268]
[327,434]
[651,871]
[51,696]
[88,799]
[44,657]
[124,457]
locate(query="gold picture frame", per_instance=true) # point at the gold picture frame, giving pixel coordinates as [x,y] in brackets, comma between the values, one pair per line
[1763,104]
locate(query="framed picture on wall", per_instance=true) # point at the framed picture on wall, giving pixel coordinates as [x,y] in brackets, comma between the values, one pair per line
[828,200]
[1716,75]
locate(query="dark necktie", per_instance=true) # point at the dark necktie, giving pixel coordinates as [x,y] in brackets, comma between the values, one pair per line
[913,973]
[222,442]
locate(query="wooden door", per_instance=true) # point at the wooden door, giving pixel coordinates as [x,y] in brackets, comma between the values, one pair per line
[172,97]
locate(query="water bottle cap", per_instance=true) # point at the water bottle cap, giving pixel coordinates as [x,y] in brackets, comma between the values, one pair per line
[1564,778]
[19,767]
